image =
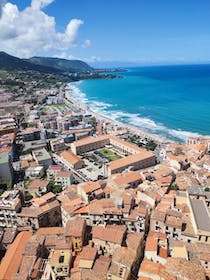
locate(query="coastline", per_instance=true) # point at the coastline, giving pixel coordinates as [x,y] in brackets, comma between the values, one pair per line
[172,124]
[82,107]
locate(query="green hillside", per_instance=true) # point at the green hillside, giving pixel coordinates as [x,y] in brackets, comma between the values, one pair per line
[62,64]
[11,63]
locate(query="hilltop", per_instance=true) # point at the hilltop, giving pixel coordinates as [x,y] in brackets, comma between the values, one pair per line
[65,65]
[11,63]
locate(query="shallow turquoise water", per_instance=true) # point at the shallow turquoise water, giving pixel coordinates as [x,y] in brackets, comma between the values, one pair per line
[172,101]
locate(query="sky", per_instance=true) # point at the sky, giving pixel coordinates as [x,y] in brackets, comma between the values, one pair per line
[108,32]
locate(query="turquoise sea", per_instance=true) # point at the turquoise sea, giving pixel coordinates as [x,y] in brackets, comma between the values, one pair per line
[172,101]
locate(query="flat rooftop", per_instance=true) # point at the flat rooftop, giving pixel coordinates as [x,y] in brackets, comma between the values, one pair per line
[4,157]
[201,214]
[41,154]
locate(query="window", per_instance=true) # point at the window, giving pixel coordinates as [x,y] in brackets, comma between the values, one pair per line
[61,259]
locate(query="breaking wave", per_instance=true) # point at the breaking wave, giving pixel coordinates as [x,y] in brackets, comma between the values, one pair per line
[148,125]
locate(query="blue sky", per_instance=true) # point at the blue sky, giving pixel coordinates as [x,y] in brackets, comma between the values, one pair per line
[132,31]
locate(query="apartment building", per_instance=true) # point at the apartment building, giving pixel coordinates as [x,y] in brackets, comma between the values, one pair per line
[38,187]
[57,145]
[135,157]
[87,257]
[108,239]
[10,206]
[199,140]
[53,170]
[6,169]
[42,157]
[89,144]
[136,161]
[64,179]
[70,160]
[75,233]
[34,171]
[31,134]
[156,248]
[43,212]
[60,262]
[169,222]
[200,220]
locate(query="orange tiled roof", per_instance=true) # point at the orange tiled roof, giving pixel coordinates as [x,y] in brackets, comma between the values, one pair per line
[50,231]
[151,244]
[13,256]
[90,140]
[35,184]
[70,157]
[113,234]
[133,240]
[5,149]
[75,227]
[129,160]
[101,265]
[151,267]
[198,147]
[121,179]
[185,269]
[88,253]
[90,186]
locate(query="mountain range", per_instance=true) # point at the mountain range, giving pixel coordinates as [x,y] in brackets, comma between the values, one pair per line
[66,65]
[42,64]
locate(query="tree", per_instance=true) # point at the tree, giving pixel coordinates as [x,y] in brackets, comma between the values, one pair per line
[28,196]
[28,151]
[151,145]
[175,187]
[24,125]
[55,188]
[5,184]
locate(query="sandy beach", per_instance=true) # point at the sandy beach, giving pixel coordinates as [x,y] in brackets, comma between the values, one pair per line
[131,129]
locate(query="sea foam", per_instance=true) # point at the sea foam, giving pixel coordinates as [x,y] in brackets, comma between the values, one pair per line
[146,124]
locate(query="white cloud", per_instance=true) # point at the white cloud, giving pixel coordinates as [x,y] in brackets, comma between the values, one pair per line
[86,59]
[86,43]
[92,59]
[39,4]
[65,55]
[31,31]
[72,57]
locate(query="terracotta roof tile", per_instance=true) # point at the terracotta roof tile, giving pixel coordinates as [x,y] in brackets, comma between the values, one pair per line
[13,256]
[110,233]
[101,265]
[75,227]
[88,253]
[70,157]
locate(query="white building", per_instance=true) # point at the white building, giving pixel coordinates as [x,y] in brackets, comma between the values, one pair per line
[64,178]
[34,171]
